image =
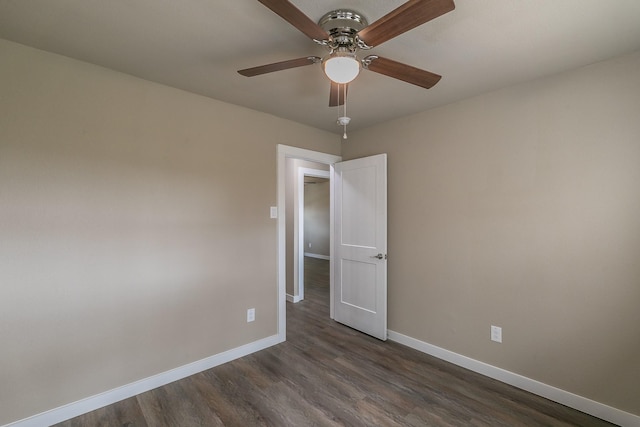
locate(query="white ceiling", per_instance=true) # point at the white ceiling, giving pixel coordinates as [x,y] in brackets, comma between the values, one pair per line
[197,45]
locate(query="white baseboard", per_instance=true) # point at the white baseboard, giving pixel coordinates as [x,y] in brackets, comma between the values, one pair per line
[566,398]
[92,403]
[98,401]
[293,298]
[310,255]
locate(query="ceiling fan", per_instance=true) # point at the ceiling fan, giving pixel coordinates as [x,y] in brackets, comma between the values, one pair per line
[345,32]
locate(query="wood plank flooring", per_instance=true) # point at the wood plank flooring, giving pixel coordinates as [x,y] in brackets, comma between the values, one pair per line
[329,375]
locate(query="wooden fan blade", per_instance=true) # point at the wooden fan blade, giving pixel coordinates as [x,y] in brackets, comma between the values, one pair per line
[278,66]
[337,94]
[406,17]
[403,72]
[295,17]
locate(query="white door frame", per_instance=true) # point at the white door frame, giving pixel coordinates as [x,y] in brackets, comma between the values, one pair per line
[298,233]
[285,152]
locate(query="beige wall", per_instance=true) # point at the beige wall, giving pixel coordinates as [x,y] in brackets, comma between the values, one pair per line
[134,227]
[317,218]
[521,208]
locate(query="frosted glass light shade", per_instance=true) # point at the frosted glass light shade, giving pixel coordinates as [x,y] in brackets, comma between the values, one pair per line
[341,67]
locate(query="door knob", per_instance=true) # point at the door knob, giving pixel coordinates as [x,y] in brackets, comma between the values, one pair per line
[379,256]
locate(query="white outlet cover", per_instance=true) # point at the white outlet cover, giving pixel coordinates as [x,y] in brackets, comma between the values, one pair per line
[273,212]
[251,315]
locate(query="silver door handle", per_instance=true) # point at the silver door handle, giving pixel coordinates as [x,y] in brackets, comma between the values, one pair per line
[379,256]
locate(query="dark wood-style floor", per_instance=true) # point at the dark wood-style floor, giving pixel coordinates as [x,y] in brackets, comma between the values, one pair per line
[329,375]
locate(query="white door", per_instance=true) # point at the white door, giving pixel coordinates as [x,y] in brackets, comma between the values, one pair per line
[360,239]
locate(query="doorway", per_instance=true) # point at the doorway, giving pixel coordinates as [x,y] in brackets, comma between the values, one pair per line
[312,222]
[284,153]
[358,236]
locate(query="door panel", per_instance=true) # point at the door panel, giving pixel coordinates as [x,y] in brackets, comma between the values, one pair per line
[358,214]
[360,270]
[364,296]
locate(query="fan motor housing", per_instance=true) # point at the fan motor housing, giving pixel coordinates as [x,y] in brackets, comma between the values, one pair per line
[343,25]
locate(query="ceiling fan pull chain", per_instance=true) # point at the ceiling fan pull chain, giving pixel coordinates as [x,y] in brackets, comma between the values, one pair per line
[344,120]
[344,135]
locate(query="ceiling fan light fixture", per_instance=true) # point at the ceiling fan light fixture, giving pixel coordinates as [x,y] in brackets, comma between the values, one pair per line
[341,67]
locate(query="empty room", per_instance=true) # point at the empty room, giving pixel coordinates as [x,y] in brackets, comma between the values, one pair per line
[479,163]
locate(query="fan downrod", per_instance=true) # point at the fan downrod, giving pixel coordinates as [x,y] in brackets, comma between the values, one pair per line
[343,26]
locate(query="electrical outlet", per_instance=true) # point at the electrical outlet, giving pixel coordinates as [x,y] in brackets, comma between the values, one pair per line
[496,333]
[309,245]
[251,315]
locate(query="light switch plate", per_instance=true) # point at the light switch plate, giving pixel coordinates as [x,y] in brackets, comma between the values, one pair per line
[274,212]
[496,333]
